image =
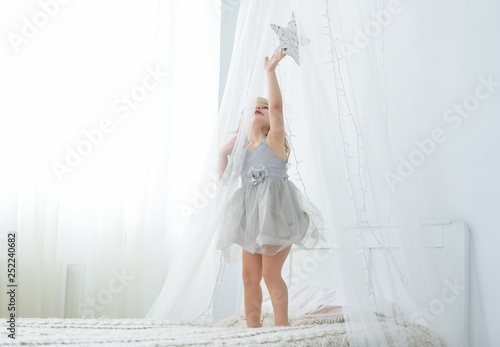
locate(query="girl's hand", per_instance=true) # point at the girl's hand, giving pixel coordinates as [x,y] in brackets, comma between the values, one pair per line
[270,64]
[228,147]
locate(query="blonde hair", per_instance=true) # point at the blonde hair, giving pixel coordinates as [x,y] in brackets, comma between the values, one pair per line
[285,142]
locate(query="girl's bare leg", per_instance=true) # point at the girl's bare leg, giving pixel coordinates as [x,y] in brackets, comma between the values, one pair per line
[252,275]
[271,270]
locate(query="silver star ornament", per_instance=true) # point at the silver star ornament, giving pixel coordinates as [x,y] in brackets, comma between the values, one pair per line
[289,39]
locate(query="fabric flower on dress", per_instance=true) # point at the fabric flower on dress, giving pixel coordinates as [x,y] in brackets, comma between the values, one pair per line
[257,173]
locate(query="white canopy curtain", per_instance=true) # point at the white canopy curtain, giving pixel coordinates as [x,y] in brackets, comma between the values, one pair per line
[97,240]
[347,143]
[131,230]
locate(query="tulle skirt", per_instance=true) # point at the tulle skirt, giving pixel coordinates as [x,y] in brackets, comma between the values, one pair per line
[268,217]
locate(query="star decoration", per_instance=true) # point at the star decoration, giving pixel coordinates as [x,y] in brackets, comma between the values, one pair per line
[289,40]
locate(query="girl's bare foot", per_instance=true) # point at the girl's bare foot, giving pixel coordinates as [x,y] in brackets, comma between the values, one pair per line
[282,325]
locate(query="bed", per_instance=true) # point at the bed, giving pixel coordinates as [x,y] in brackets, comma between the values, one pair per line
[323,326]
[315,317]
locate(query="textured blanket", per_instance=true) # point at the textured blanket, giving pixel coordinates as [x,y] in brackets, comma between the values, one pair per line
[320,328]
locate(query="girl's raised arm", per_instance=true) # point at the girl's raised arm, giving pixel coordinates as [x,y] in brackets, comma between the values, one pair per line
[277,126]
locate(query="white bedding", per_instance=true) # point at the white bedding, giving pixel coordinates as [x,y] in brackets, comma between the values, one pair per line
[324,328]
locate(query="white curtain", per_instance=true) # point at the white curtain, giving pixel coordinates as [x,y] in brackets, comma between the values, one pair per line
[352,125]
[109,135]
[97,158]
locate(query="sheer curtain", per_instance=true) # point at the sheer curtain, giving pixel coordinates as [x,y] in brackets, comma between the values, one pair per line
[109,137]
[345,121]
[97,160]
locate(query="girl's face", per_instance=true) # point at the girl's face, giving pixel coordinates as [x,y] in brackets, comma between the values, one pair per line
[261,113]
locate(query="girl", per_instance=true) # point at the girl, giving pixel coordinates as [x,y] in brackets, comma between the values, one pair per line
[268,213]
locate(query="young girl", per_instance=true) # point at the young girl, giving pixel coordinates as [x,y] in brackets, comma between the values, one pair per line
[268,213]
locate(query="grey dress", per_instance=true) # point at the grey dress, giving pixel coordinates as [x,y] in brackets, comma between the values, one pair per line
[268,212]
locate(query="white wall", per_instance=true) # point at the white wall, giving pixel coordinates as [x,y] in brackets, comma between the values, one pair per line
[451,46]
[229,16]
[443,47]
